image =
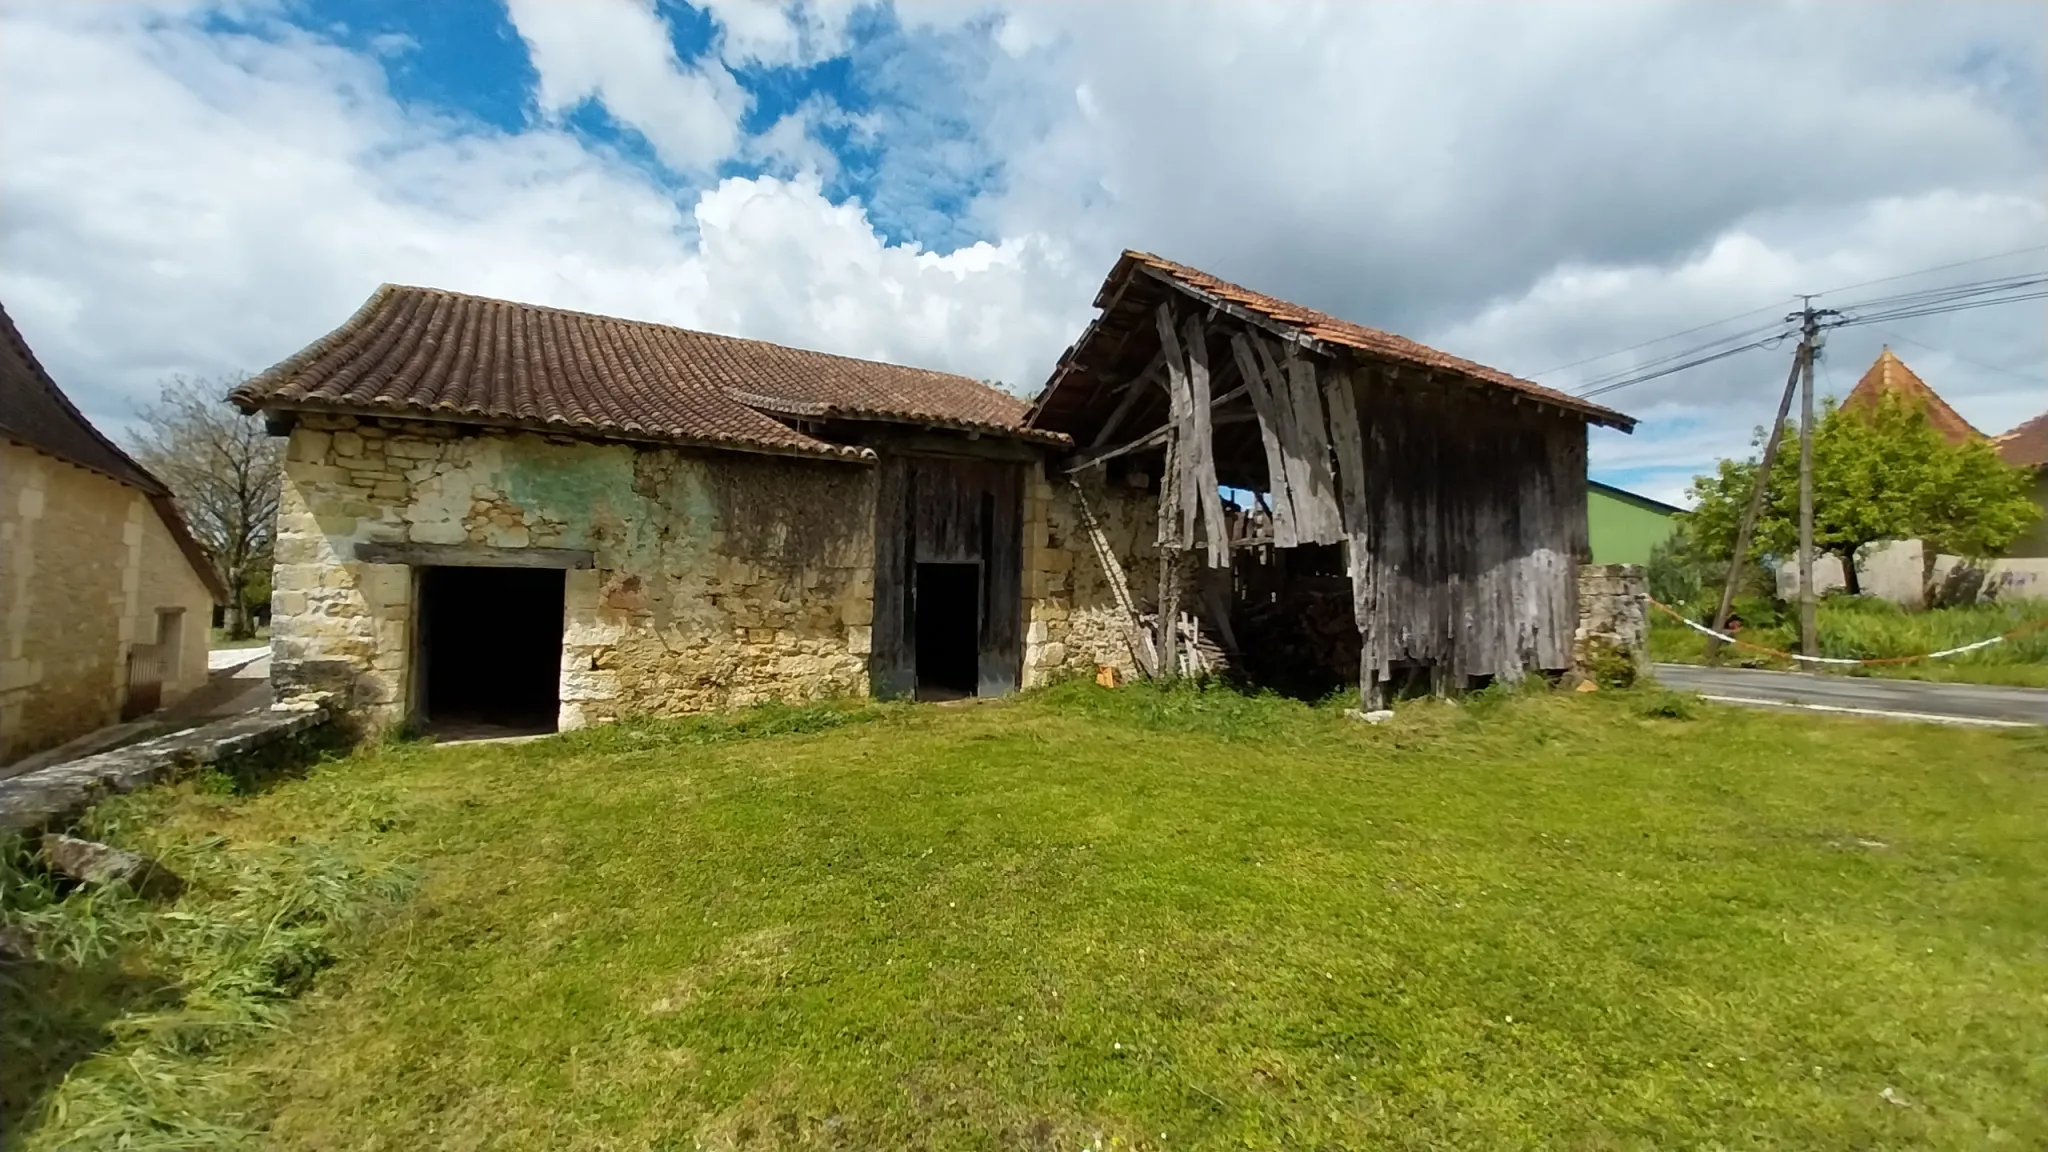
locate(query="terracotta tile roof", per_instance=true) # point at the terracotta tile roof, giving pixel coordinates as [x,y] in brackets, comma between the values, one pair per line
[1888,375]
[35,412]
[432,354]
[2026,445]
[1386,345]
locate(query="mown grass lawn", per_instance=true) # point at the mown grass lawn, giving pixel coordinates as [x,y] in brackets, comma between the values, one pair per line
[1097,919]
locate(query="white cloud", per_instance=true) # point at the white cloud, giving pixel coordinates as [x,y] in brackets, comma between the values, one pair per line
[771,32]
[1525,185]
[183,202]
[619,53]
[1530,184]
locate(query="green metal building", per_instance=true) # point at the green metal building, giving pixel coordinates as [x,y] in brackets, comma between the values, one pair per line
[1621,526]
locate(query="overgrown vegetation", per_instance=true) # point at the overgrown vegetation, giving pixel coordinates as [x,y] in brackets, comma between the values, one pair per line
[1866,628]
[132,1025]
[1135,919]
[1881,472]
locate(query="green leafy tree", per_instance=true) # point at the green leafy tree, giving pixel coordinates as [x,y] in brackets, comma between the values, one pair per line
[1880,472]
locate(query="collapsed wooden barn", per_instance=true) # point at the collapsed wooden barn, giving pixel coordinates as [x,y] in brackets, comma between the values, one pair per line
[1444,500]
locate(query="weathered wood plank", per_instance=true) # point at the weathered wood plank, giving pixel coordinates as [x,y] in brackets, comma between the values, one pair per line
[1208,495]
[1279,505]
[1315,445]
[474,556]
[1176,499]
[892,664]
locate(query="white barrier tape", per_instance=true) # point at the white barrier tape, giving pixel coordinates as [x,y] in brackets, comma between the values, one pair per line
[1702,628]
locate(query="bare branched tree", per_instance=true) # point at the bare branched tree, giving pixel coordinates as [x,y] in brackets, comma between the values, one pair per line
[223,472]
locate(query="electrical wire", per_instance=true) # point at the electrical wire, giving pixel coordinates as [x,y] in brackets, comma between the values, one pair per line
[1769,307]
[1905,339]
[1955,298]
[1936,268]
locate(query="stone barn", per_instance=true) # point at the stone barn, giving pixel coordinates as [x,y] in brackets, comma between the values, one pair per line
[1328,504]
[499,517]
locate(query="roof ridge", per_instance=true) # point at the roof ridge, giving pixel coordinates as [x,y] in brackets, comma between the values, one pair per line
[628,320]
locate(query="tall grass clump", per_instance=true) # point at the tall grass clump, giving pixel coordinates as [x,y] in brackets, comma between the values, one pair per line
[1868,628]
[124,1027]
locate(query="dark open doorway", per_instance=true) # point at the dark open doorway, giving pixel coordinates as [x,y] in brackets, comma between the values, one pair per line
[948,630]
[491,650]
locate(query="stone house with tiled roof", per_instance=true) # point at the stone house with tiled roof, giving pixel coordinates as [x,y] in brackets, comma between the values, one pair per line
[1896,570]
[105,597]
[500,516]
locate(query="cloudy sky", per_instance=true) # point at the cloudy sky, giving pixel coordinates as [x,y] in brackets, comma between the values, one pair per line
[202,188]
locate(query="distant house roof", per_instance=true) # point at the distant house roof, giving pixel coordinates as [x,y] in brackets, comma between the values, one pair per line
[1316,327]
[2027,445]
[1888,375]
[431,354]
[35,412]
[1636,498]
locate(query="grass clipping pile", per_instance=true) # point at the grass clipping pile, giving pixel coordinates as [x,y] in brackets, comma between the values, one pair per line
[127,1020]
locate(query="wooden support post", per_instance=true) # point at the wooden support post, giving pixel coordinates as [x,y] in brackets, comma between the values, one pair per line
[1169,612]
[1202,444]
[1747,527]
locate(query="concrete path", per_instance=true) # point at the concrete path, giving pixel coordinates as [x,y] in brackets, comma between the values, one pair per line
[1863,695]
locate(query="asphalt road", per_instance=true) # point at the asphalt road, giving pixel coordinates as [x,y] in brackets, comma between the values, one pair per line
[1901,699]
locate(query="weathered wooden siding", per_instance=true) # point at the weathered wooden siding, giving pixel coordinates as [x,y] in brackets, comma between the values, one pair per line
[1476,519]
[957,510]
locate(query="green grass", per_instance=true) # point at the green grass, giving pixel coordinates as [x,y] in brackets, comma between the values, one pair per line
[1868,628]
[221,641]
[1160,920]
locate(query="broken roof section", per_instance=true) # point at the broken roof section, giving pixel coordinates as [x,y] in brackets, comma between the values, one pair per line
[436,355]
[1126,309]
[1888,375]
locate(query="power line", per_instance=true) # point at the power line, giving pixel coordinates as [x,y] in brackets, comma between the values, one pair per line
[1673,336]
[1936,268]
[2029,377]
[1775,304]
[1960,303]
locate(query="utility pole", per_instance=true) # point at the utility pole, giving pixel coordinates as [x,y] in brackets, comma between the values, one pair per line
[1810,342]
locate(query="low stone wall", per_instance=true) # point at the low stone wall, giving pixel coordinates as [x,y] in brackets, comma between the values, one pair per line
[53,796]
[1614,603]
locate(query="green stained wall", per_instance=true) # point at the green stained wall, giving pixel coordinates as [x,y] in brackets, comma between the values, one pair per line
[1622,526]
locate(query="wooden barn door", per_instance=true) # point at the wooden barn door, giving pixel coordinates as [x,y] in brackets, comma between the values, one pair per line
[952,526]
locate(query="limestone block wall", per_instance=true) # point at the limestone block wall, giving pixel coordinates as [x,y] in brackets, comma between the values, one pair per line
[721,578]
[1072,622]
[1614,603]
[88,570]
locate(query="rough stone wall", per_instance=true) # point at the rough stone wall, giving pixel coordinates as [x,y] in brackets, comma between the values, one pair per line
[86,566]
[1614,601]
[721,578]
[1072,622]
